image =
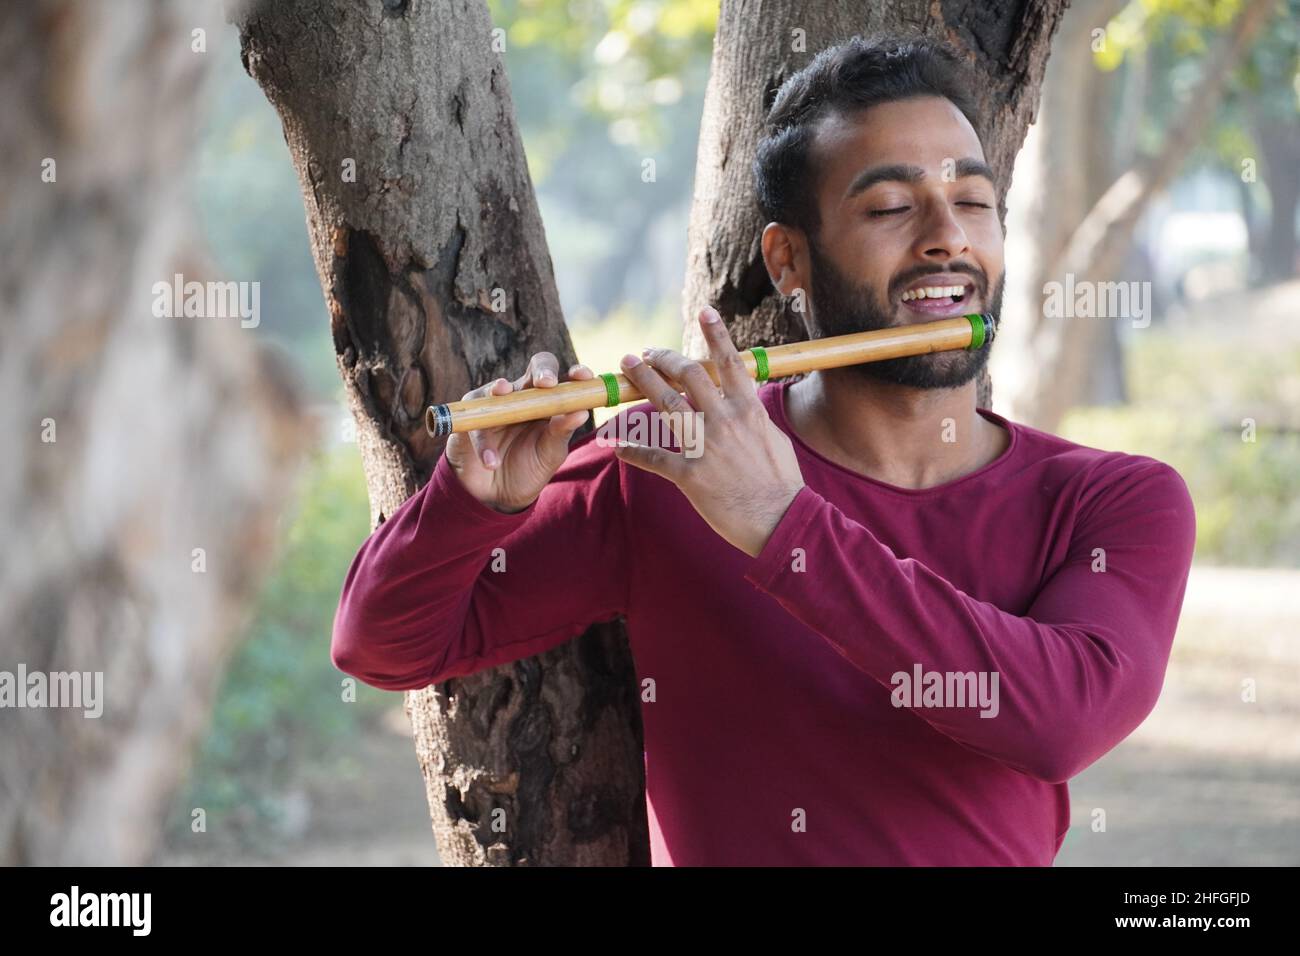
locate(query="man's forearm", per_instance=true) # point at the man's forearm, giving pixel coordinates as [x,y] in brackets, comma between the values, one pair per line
[1071,683]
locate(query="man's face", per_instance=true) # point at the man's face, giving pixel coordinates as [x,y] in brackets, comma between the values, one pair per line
[904,207]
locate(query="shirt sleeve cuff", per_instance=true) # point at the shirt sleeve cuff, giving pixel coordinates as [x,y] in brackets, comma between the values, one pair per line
[788,535]
[448,486]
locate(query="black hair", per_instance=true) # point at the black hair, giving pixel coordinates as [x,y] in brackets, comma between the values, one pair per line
[851,76]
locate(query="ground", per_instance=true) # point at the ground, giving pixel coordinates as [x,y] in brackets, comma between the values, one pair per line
[1208,778]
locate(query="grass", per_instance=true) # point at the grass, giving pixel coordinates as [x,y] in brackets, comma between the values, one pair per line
[1192,406]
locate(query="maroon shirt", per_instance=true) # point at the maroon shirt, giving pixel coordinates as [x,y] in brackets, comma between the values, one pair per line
[781,731]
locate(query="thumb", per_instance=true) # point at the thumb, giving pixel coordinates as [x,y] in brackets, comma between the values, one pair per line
[556,433]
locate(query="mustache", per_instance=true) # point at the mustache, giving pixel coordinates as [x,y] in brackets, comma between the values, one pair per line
[902,282]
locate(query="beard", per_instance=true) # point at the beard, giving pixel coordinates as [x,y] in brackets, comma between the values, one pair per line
[838,307]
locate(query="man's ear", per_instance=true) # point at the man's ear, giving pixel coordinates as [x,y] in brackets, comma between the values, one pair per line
[784,254]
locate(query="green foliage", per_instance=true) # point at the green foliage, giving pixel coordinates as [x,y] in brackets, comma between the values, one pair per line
[628,72]
[280,707]
[1177,36]
[1185,26]
[1188,406]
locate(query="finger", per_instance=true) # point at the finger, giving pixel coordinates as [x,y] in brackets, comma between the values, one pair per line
[486,440]
[735,378]
[456,439]
[553,442]
[665,464]
[543,371]
[672,407]
[652,385]
[563,425]
[560,428]
[483,391]
[580,372]
[690,374]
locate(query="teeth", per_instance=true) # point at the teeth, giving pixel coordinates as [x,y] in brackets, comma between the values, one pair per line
[933,292]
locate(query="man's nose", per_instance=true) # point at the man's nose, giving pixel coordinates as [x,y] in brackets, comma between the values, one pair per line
[941,235]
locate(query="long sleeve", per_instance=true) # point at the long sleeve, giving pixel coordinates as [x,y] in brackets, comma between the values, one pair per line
[1076,674]
[448,586]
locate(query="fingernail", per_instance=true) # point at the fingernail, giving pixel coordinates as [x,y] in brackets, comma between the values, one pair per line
[630,361]
[709,314]
[489,458]
[646,351]
[546,376]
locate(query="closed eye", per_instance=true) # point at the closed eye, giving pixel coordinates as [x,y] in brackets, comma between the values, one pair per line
[898,209]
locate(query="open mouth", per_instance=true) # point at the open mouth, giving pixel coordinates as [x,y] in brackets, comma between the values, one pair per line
[939,298]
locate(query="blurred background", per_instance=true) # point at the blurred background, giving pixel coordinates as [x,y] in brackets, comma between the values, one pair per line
[288,770]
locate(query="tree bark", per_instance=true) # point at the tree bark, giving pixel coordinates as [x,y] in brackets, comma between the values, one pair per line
[756,49]
[132,439]
[434,266]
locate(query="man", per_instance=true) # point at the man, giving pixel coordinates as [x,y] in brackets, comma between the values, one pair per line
[883,626]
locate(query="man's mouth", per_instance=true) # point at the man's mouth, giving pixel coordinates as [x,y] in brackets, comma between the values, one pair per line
[938,297]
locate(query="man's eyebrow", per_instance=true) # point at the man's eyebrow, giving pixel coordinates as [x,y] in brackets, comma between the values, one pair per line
[969,166]
[895,172]
[902,172]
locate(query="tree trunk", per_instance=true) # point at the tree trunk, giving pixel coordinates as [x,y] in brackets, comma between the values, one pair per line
[1066,166]
[1107,378]
[132,440]
[434,266]
[1279,144]
[758,46]
[1057,374]
[1256,232]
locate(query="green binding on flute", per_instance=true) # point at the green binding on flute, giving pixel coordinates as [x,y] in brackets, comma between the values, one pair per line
[611,388]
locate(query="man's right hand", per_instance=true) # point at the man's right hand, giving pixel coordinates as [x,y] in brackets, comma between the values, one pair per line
[507,467]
